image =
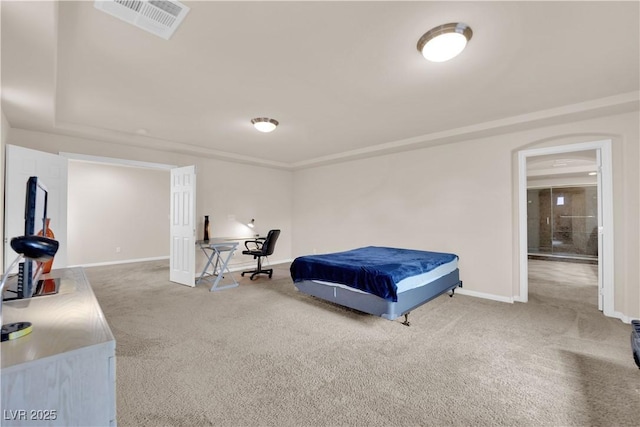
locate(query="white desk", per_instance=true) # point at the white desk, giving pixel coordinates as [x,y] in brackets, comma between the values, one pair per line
[218,252]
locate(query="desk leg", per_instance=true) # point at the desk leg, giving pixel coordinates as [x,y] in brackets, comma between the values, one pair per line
[223,267]
[206,266]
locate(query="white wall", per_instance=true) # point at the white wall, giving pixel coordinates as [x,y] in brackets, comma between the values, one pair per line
[462,198]
[4,134]
[123,212]
[224,190]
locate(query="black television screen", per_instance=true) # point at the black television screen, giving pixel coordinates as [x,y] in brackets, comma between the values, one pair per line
[35,207]
[35,222]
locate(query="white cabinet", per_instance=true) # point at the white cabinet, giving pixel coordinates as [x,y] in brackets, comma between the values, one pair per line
[62,373]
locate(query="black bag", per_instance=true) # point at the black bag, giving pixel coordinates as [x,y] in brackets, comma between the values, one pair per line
[635,341]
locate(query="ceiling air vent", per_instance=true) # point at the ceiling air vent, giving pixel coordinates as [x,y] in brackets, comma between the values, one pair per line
[159,17]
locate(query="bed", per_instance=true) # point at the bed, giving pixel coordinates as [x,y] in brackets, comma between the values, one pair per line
[383,281]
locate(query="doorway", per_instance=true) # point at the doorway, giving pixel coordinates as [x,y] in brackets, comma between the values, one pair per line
[601,152]
[121,196]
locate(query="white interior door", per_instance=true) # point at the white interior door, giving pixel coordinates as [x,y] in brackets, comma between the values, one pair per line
[182,251]
[601,253]
[21,163]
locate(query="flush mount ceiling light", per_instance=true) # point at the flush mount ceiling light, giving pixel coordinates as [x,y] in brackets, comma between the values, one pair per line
[264,124]
[444,42]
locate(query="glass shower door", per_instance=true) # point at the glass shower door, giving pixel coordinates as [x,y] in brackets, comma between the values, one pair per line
[539,220]
[563,221]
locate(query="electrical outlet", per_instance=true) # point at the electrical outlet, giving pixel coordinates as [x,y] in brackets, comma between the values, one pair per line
[118,250]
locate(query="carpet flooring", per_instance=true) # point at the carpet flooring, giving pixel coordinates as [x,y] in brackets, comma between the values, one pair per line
[263,354]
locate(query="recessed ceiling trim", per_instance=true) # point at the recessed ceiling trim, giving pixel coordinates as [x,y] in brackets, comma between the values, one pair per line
[616,104]
[158,144]
[115,161]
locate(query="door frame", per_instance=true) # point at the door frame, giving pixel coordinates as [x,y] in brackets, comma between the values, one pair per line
[605,208]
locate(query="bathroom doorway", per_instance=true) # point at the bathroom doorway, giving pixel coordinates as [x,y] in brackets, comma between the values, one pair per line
[559,215]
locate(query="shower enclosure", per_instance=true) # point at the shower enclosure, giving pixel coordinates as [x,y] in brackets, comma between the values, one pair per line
[563,222]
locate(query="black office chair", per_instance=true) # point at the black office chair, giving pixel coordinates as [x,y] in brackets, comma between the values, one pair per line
[261,247]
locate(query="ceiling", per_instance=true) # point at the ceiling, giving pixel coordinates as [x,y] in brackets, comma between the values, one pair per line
[344,79]
[576,164]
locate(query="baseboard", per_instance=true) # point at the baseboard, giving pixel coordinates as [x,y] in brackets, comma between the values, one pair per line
[252,265]
[463,291]
[623,317]
[121,261]
[237,267]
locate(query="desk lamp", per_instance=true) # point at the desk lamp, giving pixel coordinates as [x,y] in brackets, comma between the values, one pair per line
[37,248]
[252,226]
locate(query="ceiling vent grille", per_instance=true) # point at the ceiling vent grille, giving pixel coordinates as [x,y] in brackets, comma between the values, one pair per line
[159,17]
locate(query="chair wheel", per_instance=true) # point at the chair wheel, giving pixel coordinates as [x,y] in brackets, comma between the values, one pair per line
[270,274]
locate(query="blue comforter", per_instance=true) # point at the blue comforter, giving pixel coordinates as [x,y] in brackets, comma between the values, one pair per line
[372,269]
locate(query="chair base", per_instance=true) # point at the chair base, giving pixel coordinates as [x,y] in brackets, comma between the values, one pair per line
[258,270]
